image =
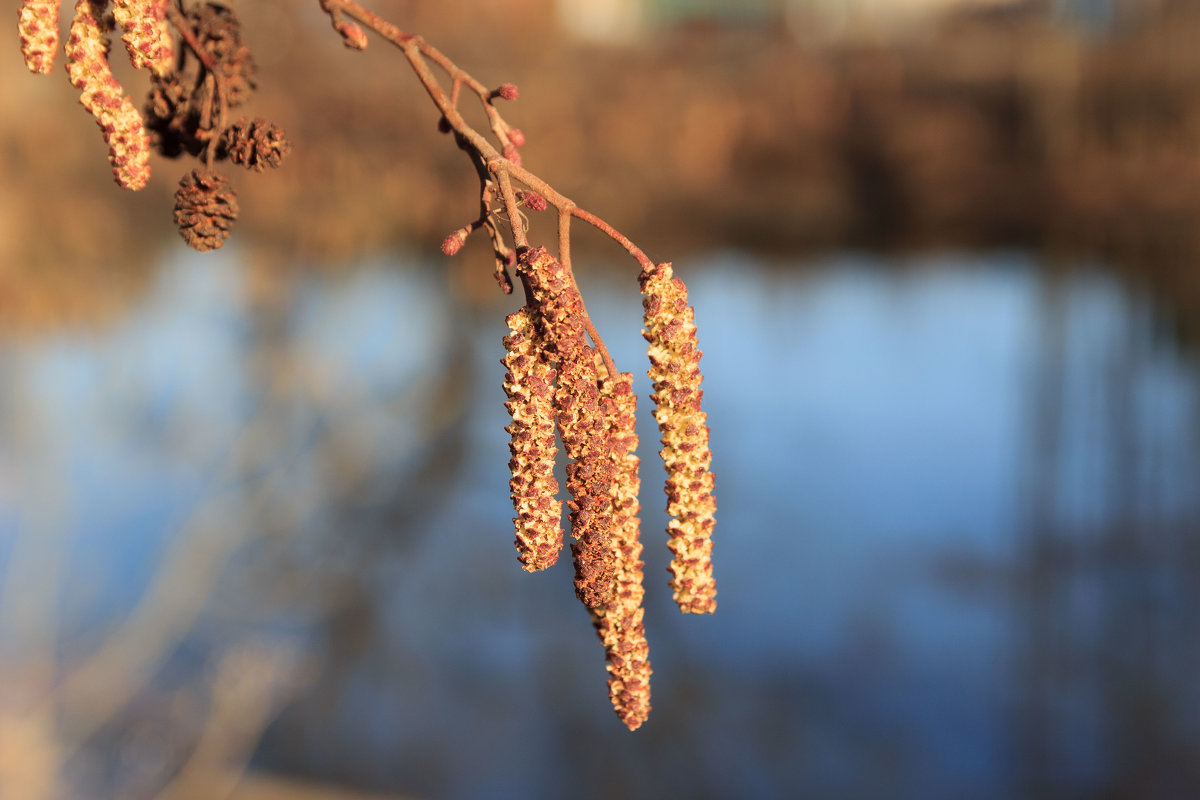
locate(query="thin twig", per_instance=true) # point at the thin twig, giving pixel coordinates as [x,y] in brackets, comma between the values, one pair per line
[419,53]
[500,166]
[564,258]
[613,234]
[189,36]
[511,207]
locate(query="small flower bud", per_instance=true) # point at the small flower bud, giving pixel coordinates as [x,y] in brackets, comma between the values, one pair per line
[353,36]
[531,200]
[454,242]
[512,154]
[508,91]
[516,136]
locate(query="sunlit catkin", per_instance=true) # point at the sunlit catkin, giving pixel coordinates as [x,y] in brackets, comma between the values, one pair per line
[529,384]
[675,373]
[37,26]
[101,95]
[619,622]
[145,33]
[580,422]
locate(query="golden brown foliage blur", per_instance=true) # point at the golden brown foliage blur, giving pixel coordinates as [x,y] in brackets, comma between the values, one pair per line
[990,129]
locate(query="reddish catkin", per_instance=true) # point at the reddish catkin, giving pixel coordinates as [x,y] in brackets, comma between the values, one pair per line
[675,373]
[37,25]
[101,95]
[580,422]
[529,384]
[620,621]
[146,35]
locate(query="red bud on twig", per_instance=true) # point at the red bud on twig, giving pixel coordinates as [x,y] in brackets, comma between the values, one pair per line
[353,36]
[454,242]
[531,200]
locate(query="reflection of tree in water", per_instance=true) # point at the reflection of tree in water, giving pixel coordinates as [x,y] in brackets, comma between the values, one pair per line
[1107,641]
[313,474]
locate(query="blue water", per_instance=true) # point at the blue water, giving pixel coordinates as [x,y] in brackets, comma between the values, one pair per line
[897,447]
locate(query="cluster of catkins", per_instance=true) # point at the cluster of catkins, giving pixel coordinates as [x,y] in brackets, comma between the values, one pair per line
[194,86]
[556,381]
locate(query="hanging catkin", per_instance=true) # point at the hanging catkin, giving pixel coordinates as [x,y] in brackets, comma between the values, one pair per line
[580,423]
[529,385]
[102,96]
[675,373]
[619,621]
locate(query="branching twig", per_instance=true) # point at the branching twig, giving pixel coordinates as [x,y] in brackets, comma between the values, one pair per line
[502,165]
[184,29]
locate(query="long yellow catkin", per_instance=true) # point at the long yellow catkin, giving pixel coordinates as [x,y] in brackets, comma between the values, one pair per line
[580,424]
[620,621]
[146,34]
[675,373]
[102,96]
[37,25]
[529,384]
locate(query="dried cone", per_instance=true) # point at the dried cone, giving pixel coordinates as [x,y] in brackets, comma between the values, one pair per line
[529,384]
[675,373]
[37,25]
[220,35]
[102,96]
[146,35]
[255,144]
[170,119]
[205,209]
[619,622]
[580,423]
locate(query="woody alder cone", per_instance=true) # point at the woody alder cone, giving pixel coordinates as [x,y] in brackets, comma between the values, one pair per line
[220,35]
[255,144]
[205,209]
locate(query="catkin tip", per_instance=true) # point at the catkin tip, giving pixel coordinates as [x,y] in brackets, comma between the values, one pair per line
[101,94]
[37,28]
[619,622]
[146,35]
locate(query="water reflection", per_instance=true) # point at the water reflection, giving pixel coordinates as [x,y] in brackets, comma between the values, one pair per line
[955,499]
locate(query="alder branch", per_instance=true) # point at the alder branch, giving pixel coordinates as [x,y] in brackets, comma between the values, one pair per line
[556,380]
[189,37]
[499,166]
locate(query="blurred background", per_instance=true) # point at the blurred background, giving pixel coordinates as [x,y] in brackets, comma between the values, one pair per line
[254,515]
